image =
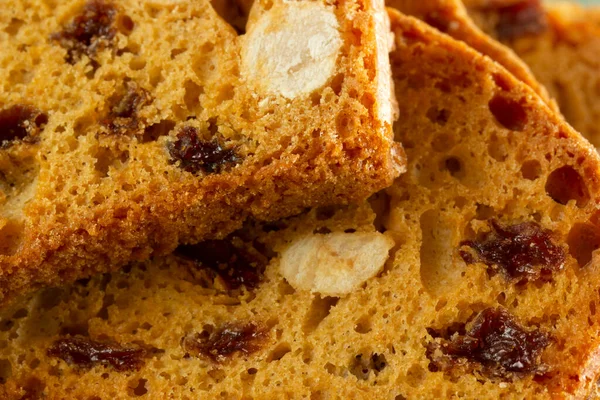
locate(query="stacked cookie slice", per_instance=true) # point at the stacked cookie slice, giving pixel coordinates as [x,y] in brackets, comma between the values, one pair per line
[473,275]
[129,127]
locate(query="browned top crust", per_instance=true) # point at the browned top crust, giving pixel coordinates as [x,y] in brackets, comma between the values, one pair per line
[128,127]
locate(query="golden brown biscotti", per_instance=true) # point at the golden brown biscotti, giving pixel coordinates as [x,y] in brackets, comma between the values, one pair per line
[450,17]
[489,290]
[560,42]
[128,127]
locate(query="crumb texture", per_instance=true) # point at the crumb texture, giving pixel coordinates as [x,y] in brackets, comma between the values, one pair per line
[560,42]
[220,319]
[128,127]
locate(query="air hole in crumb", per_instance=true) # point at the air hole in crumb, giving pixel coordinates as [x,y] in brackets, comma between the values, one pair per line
[337,83]
[531,170]
[140,389]
[155,131]
[502,81]
[107,158]
[11,234]
[5,370]
[233,12]
[192,95]
[454,166]
[583,240]
[497,149]
[14,26]
[508,112]
[277,354]
[363,325]
[20,313]
[484,212]
[438,116]
[565,184]
[363,365]
[125,24]
[318,311]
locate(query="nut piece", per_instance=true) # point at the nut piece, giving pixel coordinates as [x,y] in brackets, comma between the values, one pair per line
[292,48]
[334,264]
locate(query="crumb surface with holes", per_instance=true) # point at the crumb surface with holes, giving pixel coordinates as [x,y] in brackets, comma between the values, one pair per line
[128,127]
[428,325]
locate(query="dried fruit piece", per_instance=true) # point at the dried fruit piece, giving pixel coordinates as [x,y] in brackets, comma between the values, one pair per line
[89,32]
[86,353]
[508,112]
[20,122]
[234,265]
[195,154]
[522,252]
[497,342]
[223,343]
[123,109]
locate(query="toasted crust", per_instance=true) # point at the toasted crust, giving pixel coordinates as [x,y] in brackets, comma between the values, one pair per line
[98,186]
[371,343]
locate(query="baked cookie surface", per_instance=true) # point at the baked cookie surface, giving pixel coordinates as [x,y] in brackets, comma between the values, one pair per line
[128,127]
[560,42]
[481,278]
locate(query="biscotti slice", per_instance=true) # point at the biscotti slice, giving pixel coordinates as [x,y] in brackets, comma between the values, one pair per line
[450,17]
[477,275]
[129,127]
[560,42]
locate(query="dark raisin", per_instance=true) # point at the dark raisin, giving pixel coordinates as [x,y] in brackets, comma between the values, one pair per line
[234,265]
[224,342]
[195,154]
[508,112]
[123,108]
[522,252]
[86,353]
[20,122]
[442,20]
[89,32]
[565,184]
[521,18]
[497,342]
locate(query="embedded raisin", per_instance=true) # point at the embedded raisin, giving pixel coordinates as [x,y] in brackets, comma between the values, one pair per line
[508,112]
[223,343]
[522,252]
[20,122]
[195,154]
[525,17]
[86,353]
[123,108]
[89,32]
[496,341]
[234,265]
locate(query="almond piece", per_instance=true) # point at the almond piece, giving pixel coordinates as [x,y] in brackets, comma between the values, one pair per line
[291,49]
[334,264]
